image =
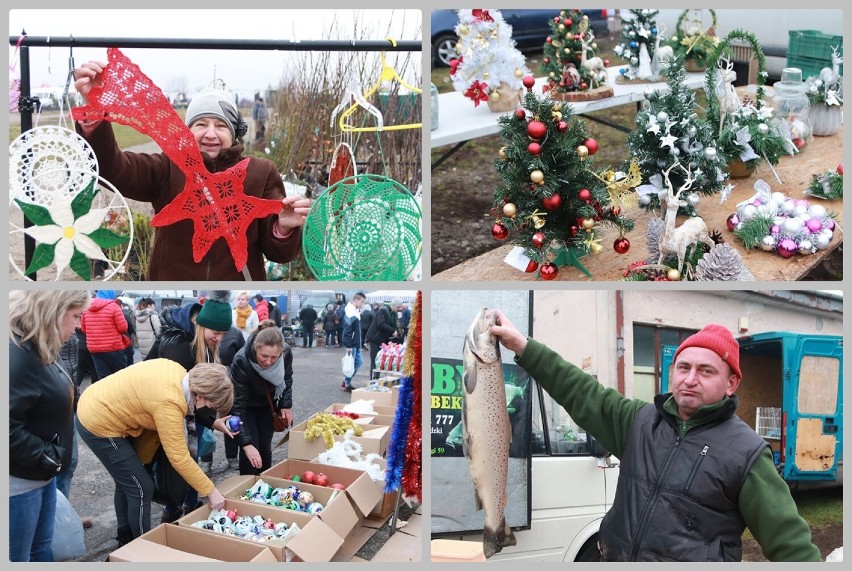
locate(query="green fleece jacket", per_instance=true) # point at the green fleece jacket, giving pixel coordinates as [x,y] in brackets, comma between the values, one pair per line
[765,502]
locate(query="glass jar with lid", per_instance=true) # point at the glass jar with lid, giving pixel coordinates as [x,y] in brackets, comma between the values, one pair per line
[792,105]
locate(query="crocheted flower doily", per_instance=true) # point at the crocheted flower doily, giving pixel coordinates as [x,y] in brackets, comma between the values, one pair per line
[365,227]
[215,202]
[87,229]
[47,161]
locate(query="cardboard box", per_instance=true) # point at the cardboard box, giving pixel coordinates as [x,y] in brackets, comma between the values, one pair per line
[362,491]
[377,409]
[379,398]
[373,440]
[171,543]
[385,508]
[314,542]
[454,551]
[338,514]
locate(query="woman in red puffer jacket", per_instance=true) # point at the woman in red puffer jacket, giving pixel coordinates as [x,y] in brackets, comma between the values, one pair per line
[105,326]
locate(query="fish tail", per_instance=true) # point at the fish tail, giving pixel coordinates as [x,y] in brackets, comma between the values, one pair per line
[493,541]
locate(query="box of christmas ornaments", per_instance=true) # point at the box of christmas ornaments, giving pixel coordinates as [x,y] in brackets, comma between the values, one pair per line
[357,484]
[380,395]
[310,438]
[290,535]
[168,543]
[330,505]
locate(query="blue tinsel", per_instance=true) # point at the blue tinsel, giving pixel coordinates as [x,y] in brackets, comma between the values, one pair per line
[396,447]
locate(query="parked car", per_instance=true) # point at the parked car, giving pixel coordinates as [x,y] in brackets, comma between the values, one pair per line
[530,28]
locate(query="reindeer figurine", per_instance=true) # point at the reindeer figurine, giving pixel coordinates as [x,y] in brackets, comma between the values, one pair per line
[663,55]
[729,101]
[692,231]
[595,66]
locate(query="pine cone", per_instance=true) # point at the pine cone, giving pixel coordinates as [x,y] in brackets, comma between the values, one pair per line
[717,237]
[652,237]
[722,263]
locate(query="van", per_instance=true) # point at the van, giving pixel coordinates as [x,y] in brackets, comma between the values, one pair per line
[792,395]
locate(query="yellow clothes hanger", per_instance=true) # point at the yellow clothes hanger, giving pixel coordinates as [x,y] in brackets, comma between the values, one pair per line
[388,74]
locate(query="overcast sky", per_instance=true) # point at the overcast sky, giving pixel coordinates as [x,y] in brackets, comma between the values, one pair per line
[243,71]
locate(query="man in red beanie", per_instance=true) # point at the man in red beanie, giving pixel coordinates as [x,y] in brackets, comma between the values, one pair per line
[693,475]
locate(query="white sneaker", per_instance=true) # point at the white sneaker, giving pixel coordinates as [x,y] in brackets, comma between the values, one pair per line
[206,467]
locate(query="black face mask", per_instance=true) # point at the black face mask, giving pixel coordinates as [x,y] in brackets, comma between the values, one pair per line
[205,416]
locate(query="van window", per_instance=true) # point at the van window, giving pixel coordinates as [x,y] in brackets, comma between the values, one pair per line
[553,430]
[818,378]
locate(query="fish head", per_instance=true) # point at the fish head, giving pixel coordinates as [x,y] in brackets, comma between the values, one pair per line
[480,341]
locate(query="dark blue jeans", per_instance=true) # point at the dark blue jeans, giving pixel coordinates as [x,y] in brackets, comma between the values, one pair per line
[109,363]
[31,520]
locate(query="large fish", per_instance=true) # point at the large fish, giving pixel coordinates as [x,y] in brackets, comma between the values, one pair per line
[487,433]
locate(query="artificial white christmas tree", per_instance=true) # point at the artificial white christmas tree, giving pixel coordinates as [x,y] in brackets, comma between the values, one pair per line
[489,67]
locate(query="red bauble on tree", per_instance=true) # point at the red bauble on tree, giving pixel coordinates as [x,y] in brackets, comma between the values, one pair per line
[840,169]
[585,195]
[499,231]
[552,202]
[534,148]
[592,145]
[528,81]
[536,129]
[562,126]
[549,271]
[621,245]
[531,267]
[520,114]
[538,239]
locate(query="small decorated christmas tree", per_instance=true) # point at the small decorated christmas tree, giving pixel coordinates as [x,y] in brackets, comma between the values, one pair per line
[746,131]
[640,40]
[569,61]
[828,185]
[489,67]
[551,202]
[693,39]
[668,130]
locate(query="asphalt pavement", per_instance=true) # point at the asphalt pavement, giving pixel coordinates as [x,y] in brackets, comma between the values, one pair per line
[316,386]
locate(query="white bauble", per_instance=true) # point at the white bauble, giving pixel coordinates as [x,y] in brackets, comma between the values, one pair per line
[805,246]
[645,199]
[768,243]
[778,198]
[821,241]
[748,212]
[792,226]
[799,210]
[817,211]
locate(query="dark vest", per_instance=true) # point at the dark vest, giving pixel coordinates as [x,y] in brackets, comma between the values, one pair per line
[677,496]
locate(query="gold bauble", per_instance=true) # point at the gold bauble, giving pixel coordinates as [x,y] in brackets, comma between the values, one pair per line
[537,176]
[582,151]
[673,275]
[538,221]
[585,17]
[519,73]
[561,27]
[553,75]
[557,115]
[464,30]
[557,106]
[562,13]
[595,248]
[594,45]
[494,96]
[569,36]
[588,223]
[567,50]
[510,210]
[502,153]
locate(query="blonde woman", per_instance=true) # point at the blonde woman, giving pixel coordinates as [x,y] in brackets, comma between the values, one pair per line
[245,318]
[152,395]
[41,414]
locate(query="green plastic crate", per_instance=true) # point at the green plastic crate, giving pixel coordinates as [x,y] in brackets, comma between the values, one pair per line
[810,67]
[813,44]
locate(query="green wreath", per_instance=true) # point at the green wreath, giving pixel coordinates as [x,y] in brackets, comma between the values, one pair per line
[696,47]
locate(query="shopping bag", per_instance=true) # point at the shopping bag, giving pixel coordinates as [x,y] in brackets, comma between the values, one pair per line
[348,365]
[206,442]
[169,486]
[68,540]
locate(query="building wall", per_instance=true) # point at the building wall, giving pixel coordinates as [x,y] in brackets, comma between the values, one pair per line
[581,325]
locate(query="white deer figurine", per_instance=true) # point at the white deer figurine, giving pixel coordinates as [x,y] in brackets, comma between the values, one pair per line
[595,66]
[663,55]
[675,240]
[729,101]
[832,76]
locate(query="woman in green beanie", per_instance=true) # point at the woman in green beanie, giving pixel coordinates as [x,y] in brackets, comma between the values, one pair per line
[190,335]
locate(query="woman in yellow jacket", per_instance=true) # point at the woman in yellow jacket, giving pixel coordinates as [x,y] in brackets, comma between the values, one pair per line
[152,395]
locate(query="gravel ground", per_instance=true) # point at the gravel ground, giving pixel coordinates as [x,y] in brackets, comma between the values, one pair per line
[316,385]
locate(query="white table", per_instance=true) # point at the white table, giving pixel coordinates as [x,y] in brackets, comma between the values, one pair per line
[459,121]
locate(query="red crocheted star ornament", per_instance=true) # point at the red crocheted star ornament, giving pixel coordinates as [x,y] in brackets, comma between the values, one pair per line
[215,202]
